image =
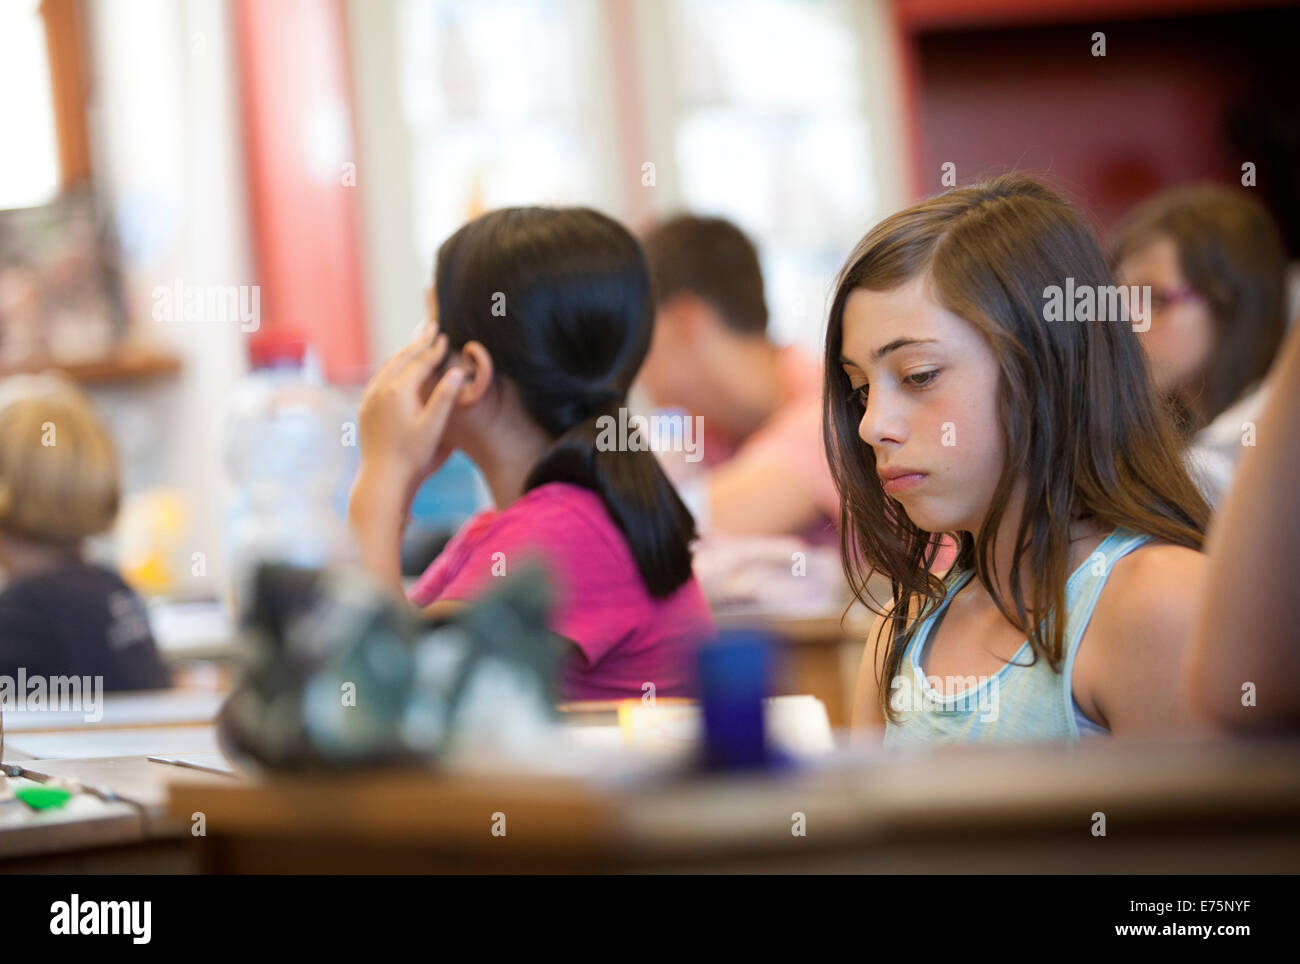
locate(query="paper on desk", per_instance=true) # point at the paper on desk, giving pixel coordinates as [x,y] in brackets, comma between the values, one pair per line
[181,628]
[654,741]
[797,725]
[163,707]
[142,741]
[212,762]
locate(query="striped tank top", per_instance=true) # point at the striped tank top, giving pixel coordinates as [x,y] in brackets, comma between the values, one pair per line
[1021,702]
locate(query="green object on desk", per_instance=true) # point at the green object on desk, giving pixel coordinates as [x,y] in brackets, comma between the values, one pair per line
[43,798]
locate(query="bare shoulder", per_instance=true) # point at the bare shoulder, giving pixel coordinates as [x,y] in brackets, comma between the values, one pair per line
[1153,593]
[1139,639]
[1160,566]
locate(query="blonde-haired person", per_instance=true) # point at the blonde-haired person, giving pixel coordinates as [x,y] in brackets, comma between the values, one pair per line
[59,614]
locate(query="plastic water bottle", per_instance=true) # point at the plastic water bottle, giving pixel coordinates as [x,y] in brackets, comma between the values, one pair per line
[285,449]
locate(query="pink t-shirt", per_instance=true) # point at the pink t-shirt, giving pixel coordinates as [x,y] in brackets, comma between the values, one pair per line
[625,637]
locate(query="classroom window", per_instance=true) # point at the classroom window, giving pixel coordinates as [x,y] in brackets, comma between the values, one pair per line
[771,130]
[500,99]
[29,166]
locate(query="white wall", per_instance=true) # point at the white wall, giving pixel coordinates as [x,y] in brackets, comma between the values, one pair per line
[883,83]
[394,281]
[168,163]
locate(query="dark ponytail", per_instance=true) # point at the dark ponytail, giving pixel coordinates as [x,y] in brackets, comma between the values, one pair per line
[560,298]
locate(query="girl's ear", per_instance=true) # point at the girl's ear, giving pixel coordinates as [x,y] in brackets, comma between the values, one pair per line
[477,365]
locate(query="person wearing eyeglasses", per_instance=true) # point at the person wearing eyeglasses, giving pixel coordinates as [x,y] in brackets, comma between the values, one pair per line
[1214,260]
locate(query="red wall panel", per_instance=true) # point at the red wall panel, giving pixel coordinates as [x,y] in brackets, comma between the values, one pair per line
[297,111]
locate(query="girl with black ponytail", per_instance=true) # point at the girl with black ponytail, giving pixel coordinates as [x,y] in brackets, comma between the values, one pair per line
[539,321]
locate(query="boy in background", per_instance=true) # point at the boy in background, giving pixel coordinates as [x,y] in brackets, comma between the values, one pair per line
[760,403]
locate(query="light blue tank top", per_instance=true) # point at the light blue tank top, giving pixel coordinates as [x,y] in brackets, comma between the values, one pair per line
[1020,703]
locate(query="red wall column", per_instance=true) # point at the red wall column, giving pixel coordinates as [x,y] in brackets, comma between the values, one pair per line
[297,111]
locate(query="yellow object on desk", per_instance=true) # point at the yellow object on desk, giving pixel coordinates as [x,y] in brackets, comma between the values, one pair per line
[149,534]
[796,725]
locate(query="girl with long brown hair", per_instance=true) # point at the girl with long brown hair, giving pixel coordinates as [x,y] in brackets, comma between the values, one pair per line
[1216,266]
[953,406]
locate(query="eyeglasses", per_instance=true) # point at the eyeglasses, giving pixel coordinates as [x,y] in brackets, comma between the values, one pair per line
[1162,298]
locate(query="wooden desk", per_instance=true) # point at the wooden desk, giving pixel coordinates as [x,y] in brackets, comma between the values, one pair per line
[84,822]
[120,826]
[820,654]
[1177,808]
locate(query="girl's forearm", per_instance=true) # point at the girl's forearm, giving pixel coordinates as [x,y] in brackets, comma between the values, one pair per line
[1247,630]
[376,516]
